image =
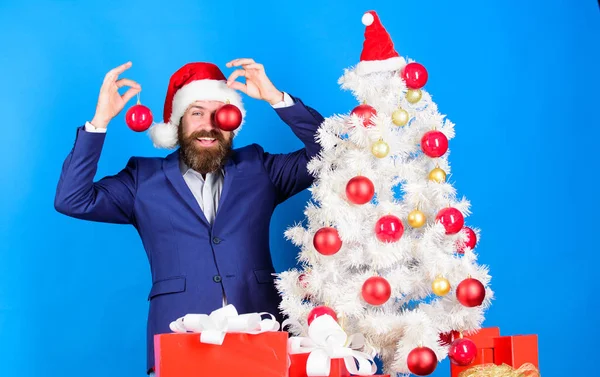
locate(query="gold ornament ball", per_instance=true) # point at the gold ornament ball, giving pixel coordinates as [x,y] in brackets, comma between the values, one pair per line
[414,95]
[437,175]
[440,286]
[400,117]
[380,149]
[416,218]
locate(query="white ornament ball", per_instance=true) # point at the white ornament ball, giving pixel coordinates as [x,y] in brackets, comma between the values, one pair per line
[367,19]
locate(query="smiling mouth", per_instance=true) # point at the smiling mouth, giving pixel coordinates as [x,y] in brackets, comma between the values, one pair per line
[206,141]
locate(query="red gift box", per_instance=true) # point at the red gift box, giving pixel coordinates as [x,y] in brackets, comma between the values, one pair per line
[484,340]
[493,348]
[298,366]
[183,355]
[516,350]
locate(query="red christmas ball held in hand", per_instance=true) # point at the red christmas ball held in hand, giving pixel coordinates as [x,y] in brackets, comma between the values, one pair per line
[319,311]
[138,118]
[452,220]
[415,75]
[327,241]
[376,290]
[421,361]
[228,117]
[470,292]
[462,351]
[360,190]
[365,112]
[434,144]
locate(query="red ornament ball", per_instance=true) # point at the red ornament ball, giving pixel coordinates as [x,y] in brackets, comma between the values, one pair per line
[470,292]
[138,118]
[434,143]
[228,117]
[447,338]
[376,290]
[470,242]
[360,190]
[452,219]
[365,112]
[462,352]
[319,311]
[421,361]
[415,75]
[327,241]
[389,228]
[302,281]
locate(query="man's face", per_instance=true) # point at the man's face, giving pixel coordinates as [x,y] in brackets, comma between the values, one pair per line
[204,147]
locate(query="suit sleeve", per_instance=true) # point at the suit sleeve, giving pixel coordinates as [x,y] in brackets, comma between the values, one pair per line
[110,199]
[288,171]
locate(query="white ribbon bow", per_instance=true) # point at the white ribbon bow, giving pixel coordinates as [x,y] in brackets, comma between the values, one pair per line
[327,340]
[213,327]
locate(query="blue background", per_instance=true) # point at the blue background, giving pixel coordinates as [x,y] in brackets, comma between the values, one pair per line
[520,80]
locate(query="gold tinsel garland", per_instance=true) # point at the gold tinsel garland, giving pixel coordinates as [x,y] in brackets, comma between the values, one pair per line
[504,370]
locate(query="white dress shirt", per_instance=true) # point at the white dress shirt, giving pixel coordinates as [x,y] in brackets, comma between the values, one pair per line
[207,190]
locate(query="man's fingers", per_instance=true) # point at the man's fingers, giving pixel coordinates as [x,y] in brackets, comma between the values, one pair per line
[238,62]
[237,73]
[115,72]
[126,82]
[120,69]
[130,93]
[254,66]
[238,86]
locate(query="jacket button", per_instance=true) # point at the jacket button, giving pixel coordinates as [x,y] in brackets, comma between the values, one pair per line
[217,278]
[217,240]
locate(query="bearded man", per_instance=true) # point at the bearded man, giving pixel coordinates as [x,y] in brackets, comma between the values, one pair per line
[203,212]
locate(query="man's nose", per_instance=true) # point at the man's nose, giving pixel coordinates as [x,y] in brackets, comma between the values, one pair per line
[209,123]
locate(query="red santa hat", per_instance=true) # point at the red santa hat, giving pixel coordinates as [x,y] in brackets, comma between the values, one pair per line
[192,82]
[378,54]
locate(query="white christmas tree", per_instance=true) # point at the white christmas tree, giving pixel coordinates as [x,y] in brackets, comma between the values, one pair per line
[384,244]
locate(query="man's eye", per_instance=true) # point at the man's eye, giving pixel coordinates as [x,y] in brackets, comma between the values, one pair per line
[198,113]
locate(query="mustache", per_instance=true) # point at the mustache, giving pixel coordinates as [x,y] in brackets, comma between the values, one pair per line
[215,134]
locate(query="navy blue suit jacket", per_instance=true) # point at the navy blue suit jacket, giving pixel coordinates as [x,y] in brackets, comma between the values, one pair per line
[191,261]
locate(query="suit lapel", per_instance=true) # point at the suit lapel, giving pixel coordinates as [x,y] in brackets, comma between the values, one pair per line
[173,173]
[232,171]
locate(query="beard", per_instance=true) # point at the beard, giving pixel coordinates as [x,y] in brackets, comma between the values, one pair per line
[204,160]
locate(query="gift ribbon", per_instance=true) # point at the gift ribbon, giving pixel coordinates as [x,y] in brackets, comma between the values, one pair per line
[326,340]
[504,370]
[213,327]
